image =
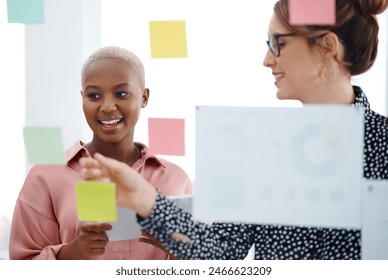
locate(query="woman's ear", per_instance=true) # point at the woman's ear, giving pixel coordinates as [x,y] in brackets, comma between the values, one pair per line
[330,45]
[146,96]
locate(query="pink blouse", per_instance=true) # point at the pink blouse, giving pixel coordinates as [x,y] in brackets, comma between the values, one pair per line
[45,215]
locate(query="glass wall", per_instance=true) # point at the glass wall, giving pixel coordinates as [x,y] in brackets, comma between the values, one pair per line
[226,46]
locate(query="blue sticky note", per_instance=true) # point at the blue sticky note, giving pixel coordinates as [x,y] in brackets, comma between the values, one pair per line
[25,11]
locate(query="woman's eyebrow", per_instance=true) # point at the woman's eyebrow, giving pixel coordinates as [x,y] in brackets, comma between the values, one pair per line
[91,87]
[121,85]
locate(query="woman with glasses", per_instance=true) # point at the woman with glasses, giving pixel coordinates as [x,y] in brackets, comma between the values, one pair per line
[312,64]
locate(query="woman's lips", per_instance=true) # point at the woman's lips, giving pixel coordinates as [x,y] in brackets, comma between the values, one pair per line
[110,124]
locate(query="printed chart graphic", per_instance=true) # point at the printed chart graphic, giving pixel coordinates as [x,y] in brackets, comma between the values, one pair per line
[291,166]
[318,149]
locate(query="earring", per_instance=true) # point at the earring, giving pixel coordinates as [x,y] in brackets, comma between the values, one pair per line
[324,70]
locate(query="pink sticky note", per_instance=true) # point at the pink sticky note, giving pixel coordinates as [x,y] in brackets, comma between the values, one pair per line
[166,136]
[312,12]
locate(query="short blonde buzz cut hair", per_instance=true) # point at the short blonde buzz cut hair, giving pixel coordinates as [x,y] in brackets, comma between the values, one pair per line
[113,52]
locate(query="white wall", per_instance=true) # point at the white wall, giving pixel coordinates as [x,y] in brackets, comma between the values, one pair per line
[55,52]
[12,112]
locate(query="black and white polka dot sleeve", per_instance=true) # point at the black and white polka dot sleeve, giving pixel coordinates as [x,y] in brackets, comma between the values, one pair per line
[217,241]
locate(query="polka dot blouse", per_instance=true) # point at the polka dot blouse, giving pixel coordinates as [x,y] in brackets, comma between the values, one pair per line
[233,240]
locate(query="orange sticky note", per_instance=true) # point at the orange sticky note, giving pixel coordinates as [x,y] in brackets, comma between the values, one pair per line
[168,39]
[167,136]
[312,12]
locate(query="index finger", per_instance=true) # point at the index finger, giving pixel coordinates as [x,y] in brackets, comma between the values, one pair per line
[88,162]
[90,226]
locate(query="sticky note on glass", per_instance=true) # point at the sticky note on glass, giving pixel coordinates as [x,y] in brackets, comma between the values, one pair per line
[312,12]
[168,39]
[25,11]
[44,145]
[96,201]
[167,136]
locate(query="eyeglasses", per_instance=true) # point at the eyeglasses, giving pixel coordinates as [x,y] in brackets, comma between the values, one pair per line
[273,42]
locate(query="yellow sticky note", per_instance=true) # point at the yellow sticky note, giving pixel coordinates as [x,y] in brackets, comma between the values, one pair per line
[168,39]
[96,201]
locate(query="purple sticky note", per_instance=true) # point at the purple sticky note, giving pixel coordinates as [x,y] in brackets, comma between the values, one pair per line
[166,136]
[312,12]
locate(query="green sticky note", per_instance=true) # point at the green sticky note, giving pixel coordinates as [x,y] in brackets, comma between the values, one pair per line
[44,145]
[168,39]
[96,201]
[25,11]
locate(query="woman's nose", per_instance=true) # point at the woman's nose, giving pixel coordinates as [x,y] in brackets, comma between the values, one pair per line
[269,59]
[108,105]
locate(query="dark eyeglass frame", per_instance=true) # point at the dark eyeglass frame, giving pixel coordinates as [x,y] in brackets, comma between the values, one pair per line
[275,49]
